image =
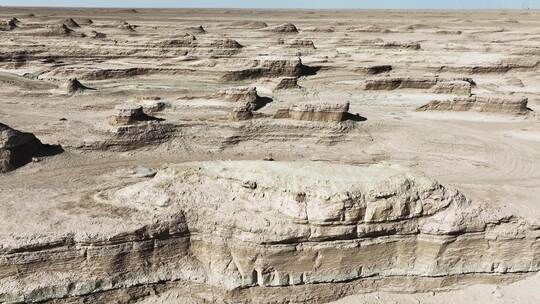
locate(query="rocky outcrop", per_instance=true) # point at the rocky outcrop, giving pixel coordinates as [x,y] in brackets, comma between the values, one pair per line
[97,35]
[240,94]
[188,40]
[369,29]
[57,30]
[8,25]
[19,148]
[196,30]
[400,45]
[271,68]
[326,112]
[493,104]
[287,28]
[503,66]
[73,86]
[241,111]
[131,128]
[226,44]
[287,83]
[302,44]
[127,114]
[248,24]
[85,21]
[448,32]
[462,86]
[315,231]
[374,69]
[70,22]
[124,25]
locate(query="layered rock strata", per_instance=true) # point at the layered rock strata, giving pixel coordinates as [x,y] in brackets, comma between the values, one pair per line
[461,86]
[271,68]
[310,224]
[321,111]
[240,94]
[494,104]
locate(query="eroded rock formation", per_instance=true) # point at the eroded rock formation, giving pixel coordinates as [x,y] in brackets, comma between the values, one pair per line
[494,104]
[18,148]
[240,94]
[461,86]
[287,83]
[241,111]
[321,111]
[73,86]
[271,68]
[287,28]
[310,224]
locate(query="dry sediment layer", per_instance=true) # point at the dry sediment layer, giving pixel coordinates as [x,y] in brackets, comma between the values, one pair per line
[310,224]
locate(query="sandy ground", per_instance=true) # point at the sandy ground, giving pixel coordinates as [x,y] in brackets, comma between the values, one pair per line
[491,157]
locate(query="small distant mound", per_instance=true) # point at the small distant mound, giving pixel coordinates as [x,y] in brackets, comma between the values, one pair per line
[369,29]
[196,30]
[287,28]
[97,35]
[320,29]
[57,30]
[301,44]
[124,25]
[448,32]
[73,86]
[186,41]
[8,25]
[248,24]
[85,21]
[226,44]
[400,45]
[70,23]
[286,83]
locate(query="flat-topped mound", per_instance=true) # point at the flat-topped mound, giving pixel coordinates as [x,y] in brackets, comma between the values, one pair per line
[238,94]
[437,85]
[316,111]
[493,104]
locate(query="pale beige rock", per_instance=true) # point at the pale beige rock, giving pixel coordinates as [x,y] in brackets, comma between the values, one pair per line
[321,111]
[435,84]
[492,104]
[309,224]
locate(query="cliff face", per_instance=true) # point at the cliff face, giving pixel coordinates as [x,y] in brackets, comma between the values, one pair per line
[310,223]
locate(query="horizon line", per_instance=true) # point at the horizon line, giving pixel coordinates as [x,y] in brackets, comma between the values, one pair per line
[268,8]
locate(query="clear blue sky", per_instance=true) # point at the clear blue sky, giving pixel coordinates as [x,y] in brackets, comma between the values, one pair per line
[367,4]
